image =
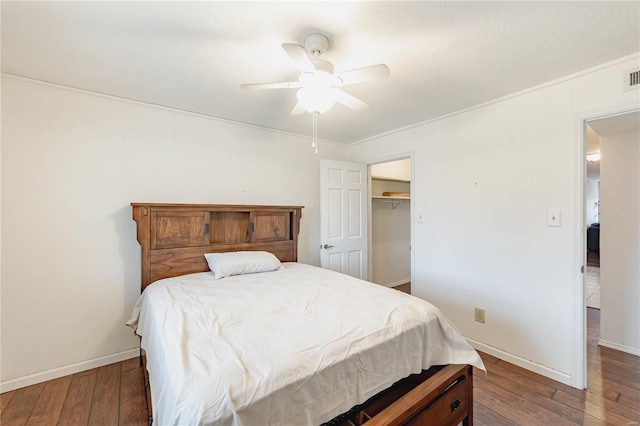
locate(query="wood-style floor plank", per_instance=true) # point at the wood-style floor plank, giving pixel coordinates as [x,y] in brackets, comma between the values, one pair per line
[133,403]
[485,415]
[77,405]
[5,398]
[520,376]
[105,407]
[21,405]
[49,405]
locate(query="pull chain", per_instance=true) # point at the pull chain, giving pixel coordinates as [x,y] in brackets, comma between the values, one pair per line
[314,144]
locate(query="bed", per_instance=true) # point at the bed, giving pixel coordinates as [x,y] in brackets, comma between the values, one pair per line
[296,345]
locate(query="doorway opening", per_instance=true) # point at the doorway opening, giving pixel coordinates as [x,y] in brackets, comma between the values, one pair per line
[592,218]
[390,219]
[611,229]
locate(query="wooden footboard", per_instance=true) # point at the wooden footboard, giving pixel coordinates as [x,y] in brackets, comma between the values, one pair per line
[440,396]
[445,399]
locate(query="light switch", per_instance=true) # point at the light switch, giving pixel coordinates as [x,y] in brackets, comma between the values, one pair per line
[553,217]
[420,218]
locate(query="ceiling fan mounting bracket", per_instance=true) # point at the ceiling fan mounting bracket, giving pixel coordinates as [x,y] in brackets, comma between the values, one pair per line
[316,44]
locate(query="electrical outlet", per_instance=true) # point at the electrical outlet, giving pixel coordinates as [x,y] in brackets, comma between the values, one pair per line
[480,315]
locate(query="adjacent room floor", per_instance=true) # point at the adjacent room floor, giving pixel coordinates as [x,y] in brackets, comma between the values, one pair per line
[593,287]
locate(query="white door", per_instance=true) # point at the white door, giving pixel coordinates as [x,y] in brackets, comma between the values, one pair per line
[343,217]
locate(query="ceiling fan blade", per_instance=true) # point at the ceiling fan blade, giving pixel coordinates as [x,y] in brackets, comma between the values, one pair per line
[299,57]
[285,85]
[347,100]
[373,72]
[298,109]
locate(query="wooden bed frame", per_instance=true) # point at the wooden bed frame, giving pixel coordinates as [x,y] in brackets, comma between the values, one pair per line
[174,239]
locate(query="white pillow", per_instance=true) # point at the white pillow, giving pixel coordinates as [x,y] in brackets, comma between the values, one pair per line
[241,262]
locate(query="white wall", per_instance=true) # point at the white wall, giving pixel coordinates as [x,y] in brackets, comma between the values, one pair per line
[484,179]
[391,242]
[71,163]
[592,197]
[620,242]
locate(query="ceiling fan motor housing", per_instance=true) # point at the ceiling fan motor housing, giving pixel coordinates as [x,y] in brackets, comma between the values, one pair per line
[316,44]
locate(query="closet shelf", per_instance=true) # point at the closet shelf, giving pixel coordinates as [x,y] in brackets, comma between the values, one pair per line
[387,197]
[389,179]
[395,201]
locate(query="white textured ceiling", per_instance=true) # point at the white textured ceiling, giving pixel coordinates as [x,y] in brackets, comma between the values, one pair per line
[443,56]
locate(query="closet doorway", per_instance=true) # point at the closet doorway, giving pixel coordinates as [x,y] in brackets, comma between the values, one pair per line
[390,236]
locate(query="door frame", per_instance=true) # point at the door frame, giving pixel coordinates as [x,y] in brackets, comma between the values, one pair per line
[385,159]
[579,372]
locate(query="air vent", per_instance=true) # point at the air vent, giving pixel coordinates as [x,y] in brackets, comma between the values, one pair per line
[631,79]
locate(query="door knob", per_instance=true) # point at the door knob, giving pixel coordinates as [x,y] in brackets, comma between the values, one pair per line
[326,246]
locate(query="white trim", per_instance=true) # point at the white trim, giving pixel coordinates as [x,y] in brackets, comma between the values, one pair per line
[412,212]
[54,373]
[369,225]
[579,300]
[619,347]
[163,107]
[543,370]
[504,98]
[390,157]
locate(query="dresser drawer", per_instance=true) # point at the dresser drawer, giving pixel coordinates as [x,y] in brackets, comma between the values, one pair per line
[449,409]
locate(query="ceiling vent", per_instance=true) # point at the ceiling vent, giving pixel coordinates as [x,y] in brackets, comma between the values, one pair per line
[631,79]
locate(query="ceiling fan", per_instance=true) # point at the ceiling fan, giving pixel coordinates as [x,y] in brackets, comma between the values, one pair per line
[318,84]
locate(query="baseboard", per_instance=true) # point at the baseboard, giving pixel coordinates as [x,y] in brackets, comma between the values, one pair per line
[543,370]
[397,283]
[619,347]
[43,376]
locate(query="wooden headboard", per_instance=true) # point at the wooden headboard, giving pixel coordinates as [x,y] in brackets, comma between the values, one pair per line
[175,237]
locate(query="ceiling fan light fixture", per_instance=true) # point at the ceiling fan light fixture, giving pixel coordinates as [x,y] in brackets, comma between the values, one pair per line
[593,157]
[314,100]
[319,80]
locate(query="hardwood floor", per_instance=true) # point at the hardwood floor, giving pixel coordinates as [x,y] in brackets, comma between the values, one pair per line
[404,287]
[509,395]
[109,395]
[506,395]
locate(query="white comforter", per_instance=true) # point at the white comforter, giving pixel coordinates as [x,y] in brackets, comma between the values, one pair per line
[292,347]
